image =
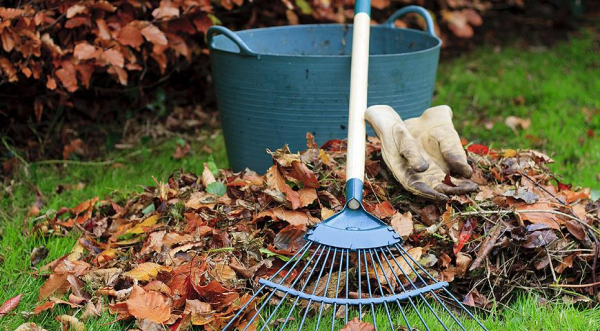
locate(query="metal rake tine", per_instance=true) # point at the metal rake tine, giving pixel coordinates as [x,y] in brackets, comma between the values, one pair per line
[381,288]
[369,288]
[347,277]
[315,289]
[414,285]
[337,289]
[266,301]
[359,286]
[464,308]
[387,260]
[392,289]
[437,298]
[301,290]
[404,254]
[300,252]
[326,288]
[416,288]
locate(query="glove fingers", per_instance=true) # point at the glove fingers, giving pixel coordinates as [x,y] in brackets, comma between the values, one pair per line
[462,187]
[453,152]
[423,190]
[407,147]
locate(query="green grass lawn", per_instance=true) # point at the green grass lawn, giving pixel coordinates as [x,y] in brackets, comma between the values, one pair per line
[557,89]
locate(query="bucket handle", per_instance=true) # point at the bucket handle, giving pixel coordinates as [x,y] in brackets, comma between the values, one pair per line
[412,9]
[216,29]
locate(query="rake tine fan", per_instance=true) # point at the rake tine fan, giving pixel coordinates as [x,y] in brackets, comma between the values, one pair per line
[353,264]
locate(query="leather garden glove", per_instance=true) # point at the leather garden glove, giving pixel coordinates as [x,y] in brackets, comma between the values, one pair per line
[421,151]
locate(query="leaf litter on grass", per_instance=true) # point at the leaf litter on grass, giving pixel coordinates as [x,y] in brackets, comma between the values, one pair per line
[183,253]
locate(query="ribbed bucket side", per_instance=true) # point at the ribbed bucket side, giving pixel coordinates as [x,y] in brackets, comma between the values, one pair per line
[275,100]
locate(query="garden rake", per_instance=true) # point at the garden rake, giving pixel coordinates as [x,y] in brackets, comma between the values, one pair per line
[352,264]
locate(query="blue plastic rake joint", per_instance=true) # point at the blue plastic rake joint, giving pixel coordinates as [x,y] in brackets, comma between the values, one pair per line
[354,228]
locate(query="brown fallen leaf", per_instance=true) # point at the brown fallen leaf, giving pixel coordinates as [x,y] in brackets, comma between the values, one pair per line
[538,217]
[403,224]
[207,176]
[275,180]
[307,196]
[223,273]
[10,304]
[146,271]
[201,312]
[151,305]
[301,172]
[50,304]
[30,326]
[513,122]
[294,217]
[357,325]
[70,323]
[91,310]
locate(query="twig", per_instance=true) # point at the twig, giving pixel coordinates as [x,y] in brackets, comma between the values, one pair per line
[542,188]
[575,285]
[91,163]
[551,265]
[53,22]
[486,248]
[595,262]
[10,149]
[528,211]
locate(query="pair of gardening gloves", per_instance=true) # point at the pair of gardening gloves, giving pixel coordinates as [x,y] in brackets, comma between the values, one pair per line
[421,151]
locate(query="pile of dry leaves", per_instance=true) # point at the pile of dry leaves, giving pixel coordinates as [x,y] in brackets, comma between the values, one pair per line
[190,250]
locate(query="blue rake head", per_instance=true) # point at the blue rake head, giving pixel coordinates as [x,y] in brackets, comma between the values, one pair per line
[352,264]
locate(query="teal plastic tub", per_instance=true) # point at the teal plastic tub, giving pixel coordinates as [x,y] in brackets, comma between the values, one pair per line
[276,84]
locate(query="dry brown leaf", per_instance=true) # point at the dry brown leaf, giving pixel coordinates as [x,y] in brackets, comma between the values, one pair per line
[358,325]
[307,196]
[326,213]
[380,4]
[11,13]
[130,35]
[207,176]
[403,224]
[67,76]
[153,34]
[113,57]
[30,326]
[151,305]
[223,273]
[463,260]
[54,284]
[8,69]
[71,323]
[513,122]
[10,304]
[458,23]
[294,217]
[539,217]
[275,180]
[76,9]
[146,271]
[165,12]
[201,312]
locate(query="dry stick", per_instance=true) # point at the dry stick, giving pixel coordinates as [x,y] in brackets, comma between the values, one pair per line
[576,285]
[542,188]
[539,211]
[551,265]
[486,247]
[580,221]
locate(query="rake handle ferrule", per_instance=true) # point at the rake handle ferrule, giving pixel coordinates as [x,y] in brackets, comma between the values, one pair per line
[354,193]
